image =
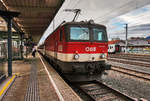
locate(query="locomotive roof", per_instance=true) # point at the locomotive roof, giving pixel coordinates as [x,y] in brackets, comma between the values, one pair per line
[78,23]
[82,23]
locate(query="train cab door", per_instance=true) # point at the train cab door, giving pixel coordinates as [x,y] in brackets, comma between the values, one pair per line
[58,45]
[91,45]
[55,47]
[55,52]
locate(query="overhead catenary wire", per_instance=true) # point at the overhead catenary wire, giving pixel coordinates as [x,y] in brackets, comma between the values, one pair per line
[133,29]
[129,5]
[70,6]
[113,10]
[141,30]
[132,32]
[136,21]
[77,2]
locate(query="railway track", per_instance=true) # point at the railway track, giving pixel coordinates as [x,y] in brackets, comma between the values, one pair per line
[131,72]
[98,91]
[132,58]
[125,61]
[130,54]
[144,74]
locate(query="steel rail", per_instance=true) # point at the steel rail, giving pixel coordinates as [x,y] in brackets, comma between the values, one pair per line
[121,70]
[132,58]
[130,55]
[130,62]
[105,89]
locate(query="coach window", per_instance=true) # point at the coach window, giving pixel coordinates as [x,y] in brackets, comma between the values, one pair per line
[60,36]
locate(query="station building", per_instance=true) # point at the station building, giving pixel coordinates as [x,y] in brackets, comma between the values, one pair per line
[135,45]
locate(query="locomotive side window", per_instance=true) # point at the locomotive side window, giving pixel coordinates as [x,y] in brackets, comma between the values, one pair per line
[79,33]
[60,35]
[99,35]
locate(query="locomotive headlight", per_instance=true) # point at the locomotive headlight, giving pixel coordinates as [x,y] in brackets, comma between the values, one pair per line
[76,56]
[102,56]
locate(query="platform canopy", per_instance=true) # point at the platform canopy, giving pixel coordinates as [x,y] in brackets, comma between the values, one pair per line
[35,17]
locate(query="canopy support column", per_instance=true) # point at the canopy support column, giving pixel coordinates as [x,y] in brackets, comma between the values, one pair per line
[8,16]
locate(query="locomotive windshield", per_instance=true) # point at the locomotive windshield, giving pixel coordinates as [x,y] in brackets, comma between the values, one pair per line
[99,35]
[79,33]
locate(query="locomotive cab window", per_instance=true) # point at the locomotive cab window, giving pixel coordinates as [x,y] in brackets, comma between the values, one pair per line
[79,33]
[60,35]
[99,35]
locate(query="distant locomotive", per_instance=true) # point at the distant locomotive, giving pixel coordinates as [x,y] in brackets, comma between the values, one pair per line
[79,47]
[113,48]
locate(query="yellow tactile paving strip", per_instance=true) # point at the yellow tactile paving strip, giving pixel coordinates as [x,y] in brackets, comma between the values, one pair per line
[7,85]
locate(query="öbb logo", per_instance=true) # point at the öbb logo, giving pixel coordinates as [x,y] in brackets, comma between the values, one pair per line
[90,49]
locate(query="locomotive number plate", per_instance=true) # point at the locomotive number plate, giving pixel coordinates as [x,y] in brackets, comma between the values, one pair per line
[90,49]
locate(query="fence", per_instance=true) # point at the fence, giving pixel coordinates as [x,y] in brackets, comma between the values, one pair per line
[139,51]
[16,54]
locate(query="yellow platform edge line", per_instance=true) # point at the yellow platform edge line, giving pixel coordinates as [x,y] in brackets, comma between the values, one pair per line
[6,86]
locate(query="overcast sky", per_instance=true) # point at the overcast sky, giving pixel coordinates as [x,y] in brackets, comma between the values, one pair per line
[138,21]
[112,13]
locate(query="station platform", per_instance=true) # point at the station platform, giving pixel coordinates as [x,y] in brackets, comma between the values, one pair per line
[36,80]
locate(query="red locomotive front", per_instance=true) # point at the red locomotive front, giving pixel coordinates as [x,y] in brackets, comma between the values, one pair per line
[78,47]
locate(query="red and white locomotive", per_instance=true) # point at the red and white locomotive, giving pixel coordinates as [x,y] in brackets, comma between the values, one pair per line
[80,47]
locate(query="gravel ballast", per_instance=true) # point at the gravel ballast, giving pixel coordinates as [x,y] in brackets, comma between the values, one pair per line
[130,85]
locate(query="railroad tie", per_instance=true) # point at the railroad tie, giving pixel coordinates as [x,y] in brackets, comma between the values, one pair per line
[32,93]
